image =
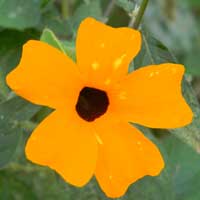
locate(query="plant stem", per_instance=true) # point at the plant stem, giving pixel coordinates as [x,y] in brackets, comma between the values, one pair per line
[140,14]
[108,10]
[64,9]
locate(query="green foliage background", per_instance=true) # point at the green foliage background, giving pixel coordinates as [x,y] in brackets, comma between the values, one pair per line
[168,26]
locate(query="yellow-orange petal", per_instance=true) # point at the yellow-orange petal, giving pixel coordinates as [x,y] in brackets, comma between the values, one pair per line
[45,76]
[66,145]
[152,96]
[125,155]
[103,52]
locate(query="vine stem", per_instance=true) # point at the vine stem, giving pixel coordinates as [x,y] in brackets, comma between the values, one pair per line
[135,22]
[108,10]
[64,9]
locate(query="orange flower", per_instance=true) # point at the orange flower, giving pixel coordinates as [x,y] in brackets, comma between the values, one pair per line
[94,99]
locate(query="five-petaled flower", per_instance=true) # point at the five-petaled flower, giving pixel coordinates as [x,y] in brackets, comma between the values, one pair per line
[94,99]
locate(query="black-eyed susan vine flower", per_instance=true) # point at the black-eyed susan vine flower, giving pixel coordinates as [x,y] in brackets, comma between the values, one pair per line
[94,99]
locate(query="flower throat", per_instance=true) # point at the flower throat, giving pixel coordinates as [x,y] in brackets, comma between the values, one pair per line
[92,103]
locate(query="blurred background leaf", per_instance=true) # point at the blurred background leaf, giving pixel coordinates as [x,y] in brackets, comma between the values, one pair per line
[49,37]
[86,8]
[176,24]
[19,14]
[67,47]
[13,114]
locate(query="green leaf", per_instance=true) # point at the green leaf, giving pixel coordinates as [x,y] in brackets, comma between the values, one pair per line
[12,114]
[185,163]
[190,134]
[49,37]
[64,46]
[127,5]
[19,14]
[89,8]
[51,19]
[15,110]
[13,188]
[10,50]
[154,52]
[170,21]
[194,3]
[3,87]
[191,60]
[8,143]
[69,48]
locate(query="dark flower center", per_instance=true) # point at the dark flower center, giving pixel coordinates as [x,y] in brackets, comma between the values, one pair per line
[92,103]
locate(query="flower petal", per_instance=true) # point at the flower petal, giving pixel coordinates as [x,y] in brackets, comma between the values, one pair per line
[65,144]
[45,76]
[152,96]
[125,155]
[103,52]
